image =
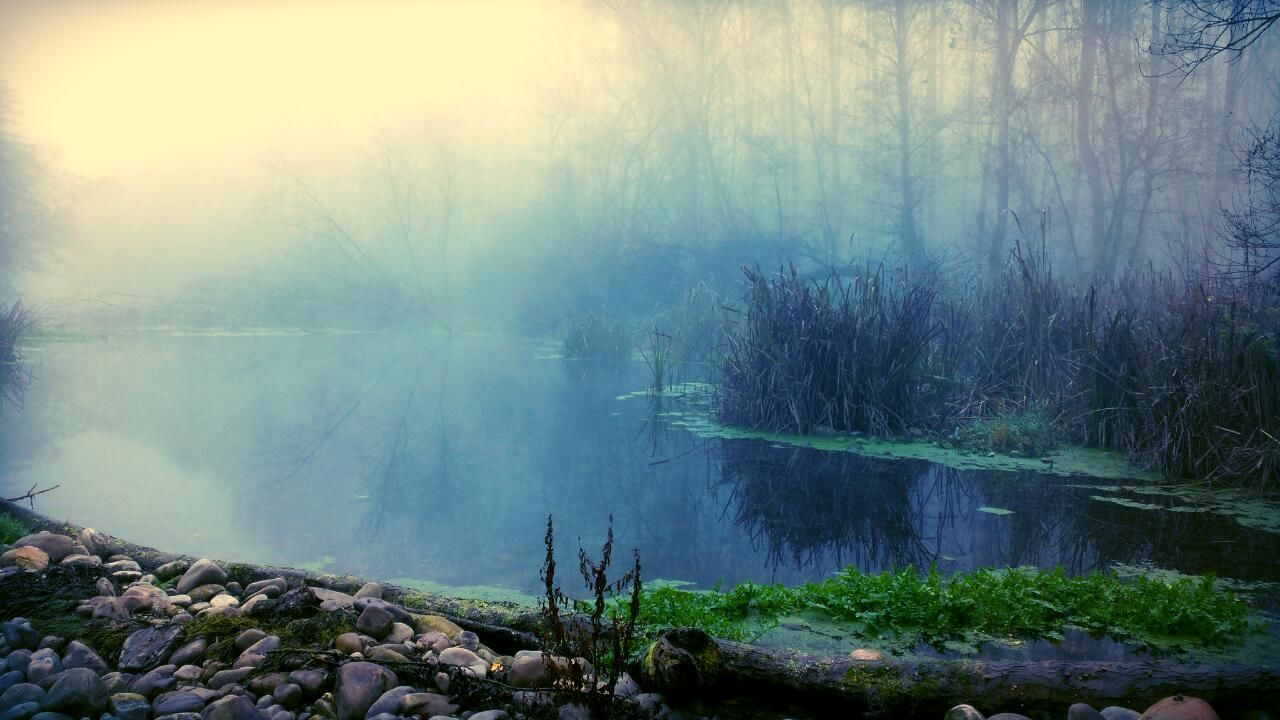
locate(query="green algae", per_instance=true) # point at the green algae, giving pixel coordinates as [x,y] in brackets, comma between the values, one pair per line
[1253,511]
[317,565]
[995,510]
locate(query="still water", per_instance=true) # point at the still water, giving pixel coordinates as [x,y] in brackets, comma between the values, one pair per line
[435,458]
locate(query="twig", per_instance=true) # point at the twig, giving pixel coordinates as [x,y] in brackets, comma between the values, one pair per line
[30,494]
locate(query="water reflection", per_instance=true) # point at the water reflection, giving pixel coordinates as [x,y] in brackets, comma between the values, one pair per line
[439,458]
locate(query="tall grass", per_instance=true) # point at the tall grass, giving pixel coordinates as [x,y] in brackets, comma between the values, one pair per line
[1180,372]
[598,335]
[14,321]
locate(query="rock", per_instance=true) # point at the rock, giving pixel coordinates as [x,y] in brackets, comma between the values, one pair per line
[963,712]
[1008,716]
[19,659]
[191,653]
[51,716]
[27,557]
[532,671]
[348,643]
[233,707]
[149,647]
[124,565]
[437,641]
[289,695]
[358,686]
[79,655]
[400,633]
[866,655]
[81,561]
[1116,712]
[463,658]
[43,667]
[172,569]
[197,608]
[375,621]
[248,637]
[234,588]
[129,706]
[93,541]
[21,711]
[225,600]
[155,682]
[117,682]
[180,716]
[140,597]
[274,587]
[187,674]
[385,654]
[257,605]
[574,711]
[9,679]
[267,684]
[426,704]
[469,640]
[370,590]
[255,654]
[682,660]
[177,701]
[205,593]
[124,577]
[54,546]
[311,681]
[388,702]
[1180,707]
[1083,711]
[77,692]
[201,572]
[20,693]
[106,588]
[228,677]
[330,600]
[491,715]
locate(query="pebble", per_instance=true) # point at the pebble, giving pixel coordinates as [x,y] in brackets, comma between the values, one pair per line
[358,686]
[77,692]
[148,647]
[202,572]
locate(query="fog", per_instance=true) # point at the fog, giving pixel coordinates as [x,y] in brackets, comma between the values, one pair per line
[524,161]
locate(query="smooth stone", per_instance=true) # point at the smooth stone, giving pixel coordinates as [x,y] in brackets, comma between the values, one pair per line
[289,695]
[248,637]
[181,601]
[435,623]
[177,701]
[1083,711]
[23,692]
[26,558]
[79,655]
[963,712]
[469,640]
[106,588]
[93,541]
[574,711]
[1008,716]
[197,608]
[124,565]
[191,653]
[117,682]
[400,633]
[155,682]
[311,681]
[81,561]
[529,671]
[187,673]
[348,643]
[205,593]
[1180,707]
[256,653]
[1115,712]
[375,621]
[19,660]
[202,572]
[149,647]
[225,600]
[330,600]
[370,589]
[388,702]
[358,686]
[21,711]
[42,668]
[442,682]
[129,706]
[143,597]
[256,604]
[234,588]
[180,716]
[267,684]
[172,569]
[46,715]
[228,677]
[465,659]
[490,715]
[437,641]
[275,586]
[77,692]
[426,705]
[398,614]
[233,707]
[385,654]
[10,678]
[54,546]
[19,635]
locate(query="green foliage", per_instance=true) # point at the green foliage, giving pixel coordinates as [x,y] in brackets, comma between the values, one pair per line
[1017,603]
[1029,433]
[11,528]
[596,335]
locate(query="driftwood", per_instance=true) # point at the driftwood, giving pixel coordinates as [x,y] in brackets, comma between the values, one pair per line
[789,676]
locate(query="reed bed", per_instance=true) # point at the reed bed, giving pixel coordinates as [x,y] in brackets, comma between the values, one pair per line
[14,321]
[1180,372]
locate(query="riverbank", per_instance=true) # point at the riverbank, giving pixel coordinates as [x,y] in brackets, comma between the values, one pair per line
[310,613]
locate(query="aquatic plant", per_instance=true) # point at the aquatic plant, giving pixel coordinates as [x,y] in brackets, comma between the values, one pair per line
[14,321]
[660,359]
[597,335]
[908,607]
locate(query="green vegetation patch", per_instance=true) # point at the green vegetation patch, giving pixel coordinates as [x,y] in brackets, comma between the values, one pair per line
[1248,509]
[11,528]
[970,608]
[1029,433]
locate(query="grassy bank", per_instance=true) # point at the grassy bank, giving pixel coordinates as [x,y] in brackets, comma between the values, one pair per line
[1182,374]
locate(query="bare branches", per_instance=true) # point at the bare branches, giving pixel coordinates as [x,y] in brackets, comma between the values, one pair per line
[31,494]
[1214,28]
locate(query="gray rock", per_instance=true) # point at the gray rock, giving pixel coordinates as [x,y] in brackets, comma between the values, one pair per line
[117,682]
[379,716]
[469,640]
[228,677]
[267,684]
[149,647]
[53,545]
[491,715]
[289,695]
[1008,716]
[963,712]
[256,653]
[191,653]
[465,659]
[124,565]
[398,614]
[43,667]
[311,681]
[205,593]
[52,642]
[51,716]
[234,707]
[426,705]
[19,635]
[201,572]
[358,686]
[370,590]
[1083,711]
[348,643]
[1116,712]
[21,693]
[273,587]
[10,678]
[248,637]
[21,711]
[375,622]
[155,682]
[180,716]
[93,541]
[172,569]
[18,660]
[80,560]
[129,706]
[77,692]
[388,702]
[574,711]
[188,674]
[106,588]
[177,701]
[79,655]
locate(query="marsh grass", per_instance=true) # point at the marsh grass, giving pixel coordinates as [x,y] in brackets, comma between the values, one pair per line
[1028,433]
[969,607]
[14,321]
[597,335]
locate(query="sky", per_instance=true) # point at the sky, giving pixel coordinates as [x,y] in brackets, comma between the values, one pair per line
[181,107]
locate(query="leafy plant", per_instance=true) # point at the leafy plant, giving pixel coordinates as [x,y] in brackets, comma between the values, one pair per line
[11,528]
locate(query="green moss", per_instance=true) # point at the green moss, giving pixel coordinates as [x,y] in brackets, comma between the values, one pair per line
[11,528]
